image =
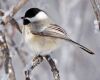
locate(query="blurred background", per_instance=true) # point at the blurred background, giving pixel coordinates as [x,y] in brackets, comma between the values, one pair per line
[77,18]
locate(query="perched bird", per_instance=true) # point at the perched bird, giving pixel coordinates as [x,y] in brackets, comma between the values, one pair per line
[42,35]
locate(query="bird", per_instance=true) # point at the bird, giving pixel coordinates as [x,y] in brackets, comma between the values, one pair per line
[42,35]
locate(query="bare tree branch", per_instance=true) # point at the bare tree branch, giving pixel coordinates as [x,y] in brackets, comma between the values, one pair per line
[8,17]
[53,67]
[11,70]
[4,50]
[18,6]
[37,60]
[8,62]
[96,11]
[14,23]
[12,11]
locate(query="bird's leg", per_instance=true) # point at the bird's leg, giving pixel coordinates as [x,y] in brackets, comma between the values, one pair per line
[37,60]
[53,67]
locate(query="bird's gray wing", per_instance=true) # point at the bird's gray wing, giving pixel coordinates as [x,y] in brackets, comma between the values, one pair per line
[56,31]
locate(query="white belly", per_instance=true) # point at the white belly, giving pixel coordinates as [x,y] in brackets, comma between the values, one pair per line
[40,45]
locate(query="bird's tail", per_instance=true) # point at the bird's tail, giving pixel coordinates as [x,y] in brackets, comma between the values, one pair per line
[81,46]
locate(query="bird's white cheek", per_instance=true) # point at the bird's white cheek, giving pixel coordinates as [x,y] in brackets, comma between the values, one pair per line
[32,19]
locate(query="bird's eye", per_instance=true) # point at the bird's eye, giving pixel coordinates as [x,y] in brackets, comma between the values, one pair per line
[26,22]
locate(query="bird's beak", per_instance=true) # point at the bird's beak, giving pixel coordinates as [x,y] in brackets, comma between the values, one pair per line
[23,17]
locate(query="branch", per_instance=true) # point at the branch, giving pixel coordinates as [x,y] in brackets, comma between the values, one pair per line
[8,15]
[4,49]
[96,11]
[8,63]
[53,67]
[14,23]
[18,6]
[37,60]
[11,70]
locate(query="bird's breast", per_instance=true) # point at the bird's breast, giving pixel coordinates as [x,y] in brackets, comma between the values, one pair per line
[40,44]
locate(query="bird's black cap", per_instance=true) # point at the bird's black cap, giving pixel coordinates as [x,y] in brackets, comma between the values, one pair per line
[32,12]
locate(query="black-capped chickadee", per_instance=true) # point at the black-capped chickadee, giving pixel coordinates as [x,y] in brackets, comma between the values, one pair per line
[42,35]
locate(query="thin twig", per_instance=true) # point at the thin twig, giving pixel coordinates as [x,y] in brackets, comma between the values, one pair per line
[18,6]
[14,23]
[37,60]
[53,67]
